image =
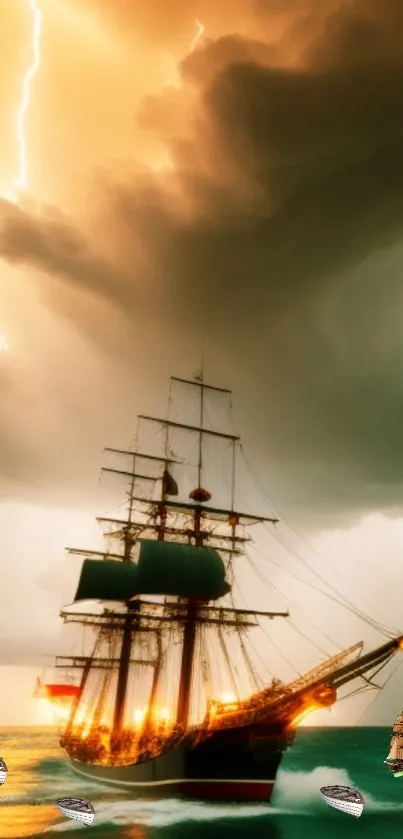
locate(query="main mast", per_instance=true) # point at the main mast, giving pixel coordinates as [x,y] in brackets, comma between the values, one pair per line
[132,610]
[189,632]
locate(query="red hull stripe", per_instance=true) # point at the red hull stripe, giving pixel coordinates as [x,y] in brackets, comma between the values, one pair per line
[230,790]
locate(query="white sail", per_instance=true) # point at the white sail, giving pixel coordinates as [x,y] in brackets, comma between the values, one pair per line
[396,749]
[393,749]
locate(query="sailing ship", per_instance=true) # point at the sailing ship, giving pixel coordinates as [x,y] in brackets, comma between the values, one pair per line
[346,799]
[394,760]
[168,633]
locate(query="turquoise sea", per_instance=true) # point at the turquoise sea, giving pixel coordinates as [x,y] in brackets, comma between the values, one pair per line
[38,774]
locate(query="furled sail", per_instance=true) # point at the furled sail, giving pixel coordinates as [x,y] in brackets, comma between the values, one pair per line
[163,568]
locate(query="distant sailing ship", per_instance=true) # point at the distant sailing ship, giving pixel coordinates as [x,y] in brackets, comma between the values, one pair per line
[148,714]
[394,759]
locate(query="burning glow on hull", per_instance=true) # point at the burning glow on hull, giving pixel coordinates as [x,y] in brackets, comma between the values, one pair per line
[304,713]
[160,716]
[227,698]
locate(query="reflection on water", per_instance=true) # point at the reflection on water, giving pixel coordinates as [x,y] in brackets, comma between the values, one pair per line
[19,821]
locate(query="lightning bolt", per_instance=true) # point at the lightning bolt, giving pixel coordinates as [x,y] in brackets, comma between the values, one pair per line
[193,44]
[21,181]
[199,34]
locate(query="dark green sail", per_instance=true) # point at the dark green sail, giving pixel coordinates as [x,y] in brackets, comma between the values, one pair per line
[163,568]
[181,570]
[107,580]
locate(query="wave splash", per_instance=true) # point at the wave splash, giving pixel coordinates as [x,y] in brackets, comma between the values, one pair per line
[296,793]
[299,791]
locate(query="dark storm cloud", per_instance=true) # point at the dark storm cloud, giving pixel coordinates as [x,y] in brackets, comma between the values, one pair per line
[54,245]
[286,181]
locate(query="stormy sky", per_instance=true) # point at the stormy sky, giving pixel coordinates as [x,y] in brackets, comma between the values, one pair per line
[245,191]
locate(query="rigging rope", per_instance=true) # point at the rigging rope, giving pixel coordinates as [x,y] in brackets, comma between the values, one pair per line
[350,608]
[376,624]
[254,679]
[289,602]
[228,662]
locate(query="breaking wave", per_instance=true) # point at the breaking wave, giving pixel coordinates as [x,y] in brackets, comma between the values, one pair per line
[299,791]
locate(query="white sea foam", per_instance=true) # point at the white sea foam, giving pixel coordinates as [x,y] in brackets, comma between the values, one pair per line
[299,791]
[164,813]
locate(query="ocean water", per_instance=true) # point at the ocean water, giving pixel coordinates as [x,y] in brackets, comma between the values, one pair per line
[38,774]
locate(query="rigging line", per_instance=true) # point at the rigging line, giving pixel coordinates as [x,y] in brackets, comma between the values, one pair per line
[388,678]
[228,662]
[250,642]
[270,639]
[259,659]
[356,692]
[368,685]
[321,558]
[323,593]
[307,545]
[280,652]
[289,602]
[280,538]
[248,664]
[345,603]
[294,553]
[295,608]
[307,638]
[205,663]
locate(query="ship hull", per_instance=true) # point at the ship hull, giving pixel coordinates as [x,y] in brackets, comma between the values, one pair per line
[227,766]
